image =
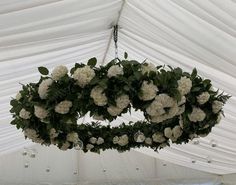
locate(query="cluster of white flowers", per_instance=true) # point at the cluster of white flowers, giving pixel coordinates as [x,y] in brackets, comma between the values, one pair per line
[122,140]
[53,133]
[115,70]
[32,134]
[72,137]
[139,137]
[65,146]
[158,137]
[122,101]
[174,133]
[83,75]
[97,141]
[18,96]
[99,118]
[63,107]
[157,108]
[89,146]
[203,98]
[148,141]
[114,110]
[197,115]
[40,112]
[216,106]
[184,85]
[147,68]
[43,88]
[24,114]
[98,95]
[59,72]
[181,122]
[148,91]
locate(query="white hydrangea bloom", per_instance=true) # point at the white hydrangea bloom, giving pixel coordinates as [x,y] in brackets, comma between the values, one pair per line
[99,118]
[148,91]
[72,137]
[197,115]
[38,140]
[40,112]
[217,106]
[93,140]
[43,88]
[100,141]
[156,108]
[181,122]
[59,72]
[115,139]
[192,136]
[177,131]
[148,141]
[30,133]
[89,146]
[65,146]
[158,137]
[123,140]
[83,75]
[53,133]
[98,95]
[181,110]
[18,96]
[168,132]
[24,114]
[184,85]
[63,107]
[114,71]
[113,110]
[122,101]
[147,68]
[203,98]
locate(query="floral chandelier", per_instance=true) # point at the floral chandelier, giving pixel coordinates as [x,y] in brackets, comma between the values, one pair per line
[177,106]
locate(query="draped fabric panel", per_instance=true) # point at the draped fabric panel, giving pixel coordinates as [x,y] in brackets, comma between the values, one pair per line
[186,34]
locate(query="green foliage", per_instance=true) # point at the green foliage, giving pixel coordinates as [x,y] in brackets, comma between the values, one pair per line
[130,84]
[43,70]
[92,62]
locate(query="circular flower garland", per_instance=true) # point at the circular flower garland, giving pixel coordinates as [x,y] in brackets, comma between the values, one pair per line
[177,106]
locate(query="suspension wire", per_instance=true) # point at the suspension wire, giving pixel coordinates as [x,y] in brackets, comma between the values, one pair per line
[115,37]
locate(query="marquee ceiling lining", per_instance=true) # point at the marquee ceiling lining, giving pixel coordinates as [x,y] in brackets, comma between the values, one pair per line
[187,34]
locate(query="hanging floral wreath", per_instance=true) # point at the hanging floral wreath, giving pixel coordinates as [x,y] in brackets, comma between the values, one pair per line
[177,106]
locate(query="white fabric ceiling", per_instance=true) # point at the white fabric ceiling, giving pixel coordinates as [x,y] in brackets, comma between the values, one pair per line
[187,34]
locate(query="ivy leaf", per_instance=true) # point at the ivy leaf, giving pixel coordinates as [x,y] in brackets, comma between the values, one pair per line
[125,55]
[92,62]
[43,70]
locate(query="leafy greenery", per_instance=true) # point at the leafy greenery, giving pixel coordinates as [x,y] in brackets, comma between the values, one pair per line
[129,83]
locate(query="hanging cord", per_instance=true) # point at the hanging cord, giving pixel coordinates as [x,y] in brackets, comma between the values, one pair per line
[115,37]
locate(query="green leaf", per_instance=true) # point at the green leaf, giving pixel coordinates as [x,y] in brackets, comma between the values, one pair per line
[72,70]
[43,70]
[125,55]
[194,74]
[14,103]
[92,62]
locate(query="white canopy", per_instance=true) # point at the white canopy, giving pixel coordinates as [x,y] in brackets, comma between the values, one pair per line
[186,34]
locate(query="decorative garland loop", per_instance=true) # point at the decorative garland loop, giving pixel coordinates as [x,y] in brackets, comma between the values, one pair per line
[177,106]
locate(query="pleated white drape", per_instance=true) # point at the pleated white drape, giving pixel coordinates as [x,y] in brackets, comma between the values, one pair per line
[186,34]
